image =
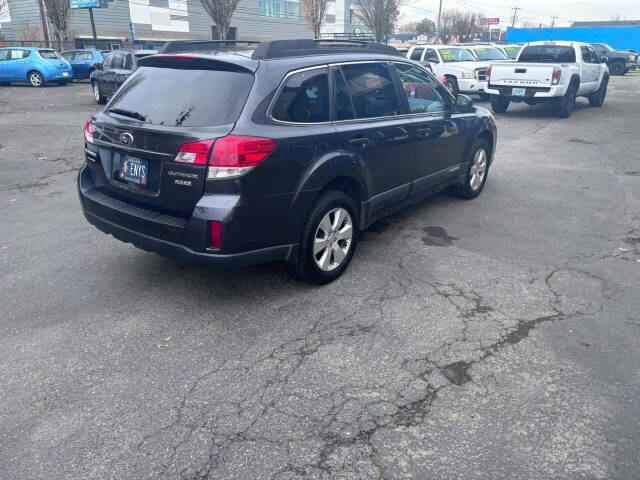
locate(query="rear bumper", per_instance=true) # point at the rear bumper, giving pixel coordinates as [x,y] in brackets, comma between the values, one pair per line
[59,76]
[174,237]
[531,92]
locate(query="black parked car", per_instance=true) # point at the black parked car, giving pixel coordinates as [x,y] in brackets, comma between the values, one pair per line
[115,69]
[618,61]
[283,153]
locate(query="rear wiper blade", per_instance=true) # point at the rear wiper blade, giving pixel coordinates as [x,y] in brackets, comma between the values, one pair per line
[128,113]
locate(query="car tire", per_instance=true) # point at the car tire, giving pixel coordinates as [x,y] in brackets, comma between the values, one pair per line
[564,106]
[617,68]
[596,99]
[477,171]
[35,79]
[97,94]
[329,239]
[484,97]
[499,104]
[452,85]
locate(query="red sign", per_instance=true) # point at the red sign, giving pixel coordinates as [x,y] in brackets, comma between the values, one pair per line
[490,21]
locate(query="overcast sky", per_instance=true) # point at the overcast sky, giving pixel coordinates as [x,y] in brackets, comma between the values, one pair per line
[535,11]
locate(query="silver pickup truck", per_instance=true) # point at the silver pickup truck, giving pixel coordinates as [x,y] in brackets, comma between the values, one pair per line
[554,72]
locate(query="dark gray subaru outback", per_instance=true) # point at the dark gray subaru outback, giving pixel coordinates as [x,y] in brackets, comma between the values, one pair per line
[282,151]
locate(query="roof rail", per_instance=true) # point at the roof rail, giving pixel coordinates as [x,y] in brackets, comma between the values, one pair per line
[302,47]
[178,46]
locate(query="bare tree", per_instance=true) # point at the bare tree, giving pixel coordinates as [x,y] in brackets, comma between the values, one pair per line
[221,12]
[314,11]
[463,25]
[58,13]
[379,16]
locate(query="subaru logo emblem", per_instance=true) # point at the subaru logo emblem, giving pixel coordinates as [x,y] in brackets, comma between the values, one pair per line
[126,138]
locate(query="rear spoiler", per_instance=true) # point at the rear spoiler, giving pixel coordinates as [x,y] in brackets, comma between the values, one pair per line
[181,46]
[184,61]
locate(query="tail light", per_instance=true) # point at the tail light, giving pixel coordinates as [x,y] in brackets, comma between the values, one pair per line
[195,153]
[216,235]
[88,132]
[233,156]
[555,77]
[488,73]
[226,157]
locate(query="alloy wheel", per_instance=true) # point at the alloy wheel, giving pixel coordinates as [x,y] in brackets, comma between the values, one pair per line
[35,79]
[333,239]
[478,169]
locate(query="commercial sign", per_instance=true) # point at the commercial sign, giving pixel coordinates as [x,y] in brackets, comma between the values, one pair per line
[88,3]
[490,21]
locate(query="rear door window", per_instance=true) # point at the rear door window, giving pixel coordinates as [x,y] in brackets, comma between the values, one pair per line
[432,56]
[547,54]
[304,98]
[372,90]
[181,97]
[83,56]
[4,54]
[19,54]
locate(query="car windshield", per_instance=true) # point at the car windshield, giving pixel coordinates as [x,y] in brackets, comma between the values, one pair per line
[512,52]
[489,53]
[48,54]
[547,54]
[190,98]
[456,55]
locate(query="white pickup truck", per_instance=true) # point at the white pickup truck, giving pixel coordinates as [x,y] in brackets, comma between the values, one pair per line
[554,72]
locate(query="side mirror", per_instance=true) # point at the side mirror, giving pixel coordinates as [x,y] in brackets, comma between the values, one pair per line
[464,104]
[604,59]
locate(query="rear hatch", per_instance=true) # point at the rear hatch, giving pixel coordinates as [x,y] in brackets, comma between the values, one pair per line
[168,102]
[52,58]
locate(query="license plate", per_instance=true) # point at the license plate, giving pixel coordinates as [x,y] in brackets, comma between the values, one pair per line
[518,92]
[65,74]
[133,169]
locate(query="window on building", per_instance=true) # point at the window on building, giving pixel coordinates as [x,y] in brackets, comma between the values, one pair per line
[424,94]
[304,98]
[330,18]
[279,8]
[355,18]
[371,89]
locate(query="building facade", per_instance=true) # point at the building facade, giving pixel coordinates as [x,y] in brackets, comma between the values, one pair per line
[156,21]
[343,21]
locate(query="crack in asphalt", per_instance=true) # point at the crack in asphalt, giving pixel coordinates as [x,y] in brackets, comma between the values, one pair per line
[335,435]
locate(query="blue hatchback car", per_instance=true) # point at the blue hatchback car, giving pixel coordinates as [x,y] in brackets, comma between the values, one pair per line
[34,65]
[83,62]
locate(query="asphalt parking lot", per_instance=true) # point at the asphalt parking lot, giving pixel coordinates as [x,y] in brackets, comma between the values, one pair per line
[492,338]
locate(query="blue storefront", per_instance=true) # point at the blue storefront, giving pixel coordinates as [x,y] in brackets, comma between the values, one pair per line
[620,38]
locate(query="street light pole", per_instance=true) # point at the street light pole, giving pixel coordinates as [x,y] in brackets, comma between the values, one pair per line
[439,14]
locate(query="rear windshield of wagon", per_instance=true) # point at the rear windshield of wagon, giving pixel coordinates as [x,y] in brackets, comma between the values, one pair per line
[178,97]
[547,54]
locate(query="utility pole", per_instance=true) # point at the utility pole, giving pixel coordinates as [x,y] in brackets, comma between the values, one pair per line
[553,21]
[515,10]
[93,28]
[439,15]
[45,24]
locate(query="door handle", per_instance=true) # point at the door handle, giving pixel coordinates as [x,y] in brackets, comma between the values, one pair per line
[424,132]
[359,142]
